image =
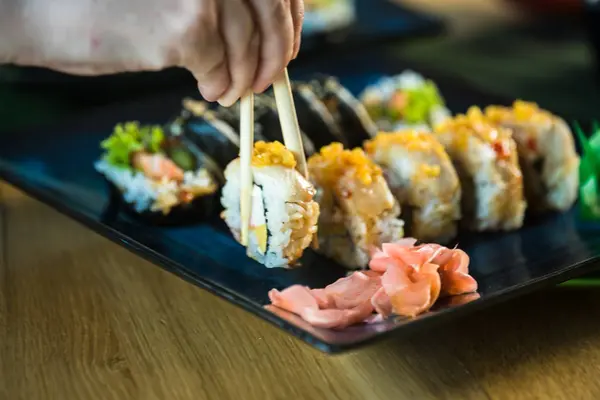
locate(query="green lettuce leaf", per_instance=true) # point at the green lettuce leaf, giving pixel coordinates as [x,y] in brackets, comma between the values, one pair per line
[128,138]
[420,102]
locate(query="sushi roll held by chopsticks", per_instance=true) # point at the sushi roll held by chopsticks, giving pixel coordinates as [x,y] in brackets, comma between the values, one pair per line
[422,178]
[486,160]
[268,199]
[283,216]
[547,154]
[358,212]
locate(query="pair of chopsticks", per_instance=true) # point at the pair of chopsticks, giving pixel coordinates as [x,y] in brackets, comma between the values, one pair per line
[291,138]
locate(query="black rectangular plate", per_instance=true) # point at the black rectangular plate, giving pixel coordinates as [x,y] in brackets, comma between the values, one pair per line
[55,165]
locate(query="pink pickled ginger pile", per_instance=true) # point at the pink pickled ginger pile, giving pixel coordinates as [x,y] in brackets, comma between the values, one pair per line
[403,279]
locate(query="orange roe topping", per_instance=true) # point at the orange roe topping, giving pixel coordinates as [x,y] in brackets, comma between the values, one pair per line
[333,161]
[411,139]
[474,122]
[521,111]
[272,153]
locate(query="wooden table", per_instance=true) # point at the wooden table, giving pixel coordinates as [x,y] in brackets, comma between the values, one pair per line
[81,318]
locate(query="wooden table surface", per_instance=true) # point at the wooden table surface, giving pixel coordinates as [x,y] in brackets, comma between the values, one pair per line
[81,318]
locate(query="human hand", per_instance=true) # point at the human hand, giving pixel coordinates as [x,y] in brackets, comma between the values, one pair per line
[230,46]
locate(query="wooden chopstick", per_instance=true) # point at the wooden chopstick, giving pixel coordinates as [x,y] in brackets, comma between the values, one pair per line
[246,150]
[289,121]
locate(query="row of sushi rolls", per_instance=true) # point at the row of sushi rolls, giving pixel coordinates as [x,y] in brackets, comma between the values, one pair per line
[393,176]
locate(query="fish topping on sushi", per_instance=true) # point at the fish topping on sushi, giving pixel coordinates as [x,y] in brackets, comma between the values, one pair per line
[421,176]
[284,215]
[486,160]
[358,210]
[547,154]
[150,172]
[407,100]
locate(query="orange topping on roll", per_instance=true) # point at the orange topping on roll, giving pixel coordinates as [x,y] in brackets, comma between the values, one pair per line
[272,153]
[333,161]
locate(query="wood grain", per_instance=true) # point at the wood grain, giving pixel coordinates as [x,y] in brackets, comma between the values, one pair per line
[82,318]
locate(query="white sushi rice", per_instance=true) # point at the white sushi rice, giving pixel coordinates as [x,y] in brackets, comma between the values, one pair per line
[277,218]
[146,194]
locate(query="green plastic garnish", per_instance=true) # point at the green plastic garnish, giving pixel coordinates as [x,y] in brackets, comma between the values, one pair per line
[589,172]
[128,138]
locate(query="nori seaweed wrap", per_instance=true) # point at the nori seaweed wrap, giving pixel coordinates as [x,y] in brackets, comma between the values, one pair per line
[159,177]
[352,117]
[314,118]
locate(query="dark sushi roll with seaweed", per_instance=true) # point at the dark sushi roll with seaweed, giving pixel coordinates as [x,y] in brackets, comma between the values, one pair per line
[206,130]
[314,118]
[265,112]
[352,117]
[161,178]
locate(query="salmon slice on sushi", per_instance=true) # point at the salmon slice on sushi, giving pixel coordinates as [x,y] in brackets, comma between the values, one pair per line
[421,176]
[486,160]
[284,215]
[547,154]
[160,177]
[358,212]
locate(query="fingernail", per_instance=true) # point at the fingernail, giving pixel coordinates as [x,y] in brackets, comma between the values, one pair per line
[261,89]
[226,100]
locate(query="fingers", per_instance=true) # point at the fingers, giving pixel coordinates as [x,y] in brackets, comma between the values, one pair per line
[277,33]
[206,57]
[242,43]
[297,9]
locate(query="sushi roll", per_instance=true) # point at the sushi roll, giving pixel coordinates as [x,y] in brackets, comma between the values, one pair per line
[351,116]
[322,16]
[407,100]
[547,154]
[358,210]
[267,118]
[314,118]
[486,160]
[423,180]
[212,135]
[284,215]
[161,178]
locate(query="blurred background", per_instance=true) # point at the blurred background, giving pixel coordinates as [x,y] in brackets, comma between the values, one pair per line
[540,50]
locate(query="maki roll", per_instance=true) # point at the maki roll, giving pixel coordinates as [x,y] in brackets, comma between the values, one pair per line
[358,211]
[314,118]
[267,125]
[405,100]
[421,176]
[213,136]
[351,116]
[327,15]
[284,215]
[161,178]
[486,160]
[547,154]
